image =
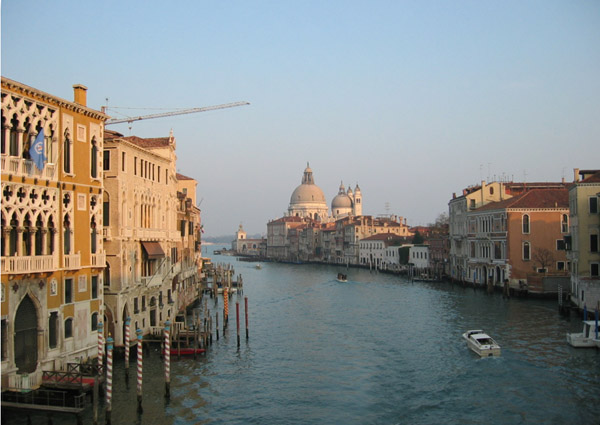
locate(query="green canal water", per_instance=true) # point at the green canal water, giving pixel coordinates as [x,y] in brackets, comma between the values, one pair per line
[375,350]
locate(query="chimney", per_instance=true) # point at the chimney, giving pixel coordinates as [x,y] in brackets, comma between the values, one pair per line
[575,174]
[80,94]
[482,192]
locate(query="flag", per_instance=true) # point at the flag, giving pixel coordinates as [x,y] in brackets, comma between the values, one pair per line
[36,151]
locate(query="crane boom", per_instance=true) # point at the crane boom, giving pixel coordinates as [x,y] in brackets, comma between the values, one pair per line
[181,112]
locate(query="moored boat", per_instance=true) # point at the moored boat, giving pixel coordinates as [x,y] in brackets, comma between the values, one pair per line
[587,337]
[341,277]
[481,343]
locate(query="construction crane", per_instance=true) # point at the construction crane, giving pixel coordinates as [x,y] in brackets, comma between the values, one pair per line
[179,112]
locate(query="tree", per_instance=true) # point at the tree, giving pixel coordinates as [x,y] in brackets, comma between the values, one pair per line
[544,257]
[441,223]
[417,238]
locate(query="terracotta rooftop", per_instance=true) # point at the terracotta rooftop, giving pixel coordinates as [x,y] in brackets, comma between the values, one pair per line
[384,237]
[156,142]
[182,177]
[534,198]
[594,178]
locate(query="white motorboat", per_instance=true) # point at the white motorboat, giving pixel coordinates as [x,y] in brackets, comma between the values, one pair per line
[481,343]
[586,338]
[258,266]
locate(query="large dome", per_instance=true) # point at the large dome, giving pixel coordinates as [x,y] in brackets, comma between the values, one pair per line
[308,200]
[306,194]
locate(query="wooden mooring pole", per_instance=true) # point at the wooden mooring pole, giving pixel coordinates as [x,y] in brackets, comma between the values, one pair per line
[246,314]
[237,321]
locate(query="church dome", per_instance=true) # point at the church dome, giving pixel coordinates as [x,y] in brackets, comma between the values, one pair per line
[308,192]
[341,201]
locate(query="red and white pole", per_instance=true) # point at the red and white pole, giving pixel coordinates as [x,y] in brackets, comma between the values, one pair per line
[168,359]
[109,368]
[127,326]
[100,347]
[139,369]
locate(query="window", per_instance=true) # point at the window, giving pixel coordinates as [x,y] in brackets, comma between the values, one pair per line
[68,291]
[106,160]
[94,287]
[122,161]
[594,269]
[560,244]
[67,153]
[143,303]
[135,165]
[183,225]
[593,243]
[526,251]
[560,265]
[67,235]
[594,205]
[473,203]
[94,322]
[564,225]
[69,328]
[105,210]
[136,309]
[53,330]
[525,223]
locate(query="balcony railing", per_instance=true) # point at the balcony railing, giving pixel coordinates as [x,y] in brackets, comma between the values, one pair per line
[72,261]
[31,264]
[20,167]
[99,260]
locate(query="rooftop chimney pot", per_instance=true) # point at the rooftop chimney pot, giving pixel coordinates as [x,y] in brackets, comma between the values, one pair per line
[80,94]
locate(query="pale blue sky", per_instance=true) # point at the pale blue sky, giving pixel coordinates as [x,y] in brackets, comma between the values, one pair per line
[414,100]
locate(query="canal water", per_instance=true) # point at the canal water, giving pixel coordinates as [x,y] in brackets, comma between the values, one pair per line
[375,350]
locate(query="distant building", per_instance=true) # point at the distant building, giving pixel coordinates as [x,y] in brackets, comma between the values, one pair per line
[520,240]
[244,246]
[582,244]
[474,197]
[380,251]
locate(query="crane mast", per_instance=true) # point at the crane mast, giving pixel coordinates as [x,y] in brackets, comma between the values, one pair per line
[172,113]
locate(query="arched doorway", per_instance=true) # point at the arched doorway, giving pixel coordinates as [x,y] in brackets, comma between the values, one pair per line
[124,321]
[26,342]
[109,323]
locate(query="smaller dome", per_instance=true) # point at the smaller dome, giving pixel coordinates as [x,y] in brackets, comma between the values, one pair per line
[341,201]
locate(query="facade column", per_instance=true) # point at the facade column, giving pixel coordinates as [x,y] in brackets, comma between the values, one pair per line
[20,231]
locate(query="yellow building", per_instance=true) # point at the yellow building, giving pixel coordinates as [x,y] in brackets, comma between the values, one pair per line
[52,252]
[583,248]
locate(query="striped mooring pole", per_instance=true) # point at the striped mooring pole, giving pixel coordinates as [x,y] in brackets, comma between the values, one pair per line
[127,326]
[109,367]
[167,359]
[225,307]
[139,369]
[100,347]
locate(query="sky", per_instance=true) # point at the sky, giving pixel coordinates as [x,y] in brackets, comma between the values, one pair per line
[412,100]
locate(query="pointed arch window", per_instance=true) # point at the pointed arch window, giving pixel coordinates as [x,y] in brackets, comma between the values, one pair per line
[13,236]
[94,238]
[67,235]
[50,237]
[13,148]
[39,236]
[94,159]
[526,224]
[67,157]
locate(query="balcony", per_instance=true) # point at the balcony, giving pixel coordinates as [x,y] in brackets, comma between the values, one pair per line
[20,167]
[98,260]
[30,264]
[72,261]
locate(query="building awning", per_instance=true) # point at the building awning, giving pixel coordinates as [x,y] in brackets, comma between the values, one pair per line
[153,250]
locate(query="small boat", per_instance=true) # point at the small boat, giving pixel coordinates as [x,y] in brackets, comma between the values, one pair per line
[185,351]
[481,343]
[586,338]
[258,266]
[342,277]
